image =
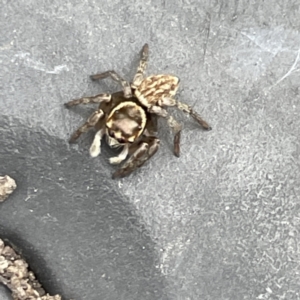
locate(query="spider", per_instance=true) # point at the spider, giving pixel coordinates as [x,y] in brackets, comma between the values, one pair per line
[128,118]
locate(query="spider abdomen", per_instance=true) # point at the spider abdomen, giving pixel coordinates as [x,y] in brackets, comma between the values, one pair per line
[156,87]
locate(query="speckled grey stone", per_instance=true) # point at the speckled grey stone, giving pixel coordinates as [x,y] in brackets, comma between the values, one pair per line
[220,222]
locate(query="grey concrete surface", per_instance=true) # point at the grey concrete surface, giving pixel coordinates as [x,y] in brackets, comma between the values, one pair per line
[5,293]
[220,222]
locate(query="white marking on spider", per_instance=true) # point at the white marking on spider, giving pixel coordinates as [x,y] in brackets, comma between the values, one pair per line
[122,156]
[95,148]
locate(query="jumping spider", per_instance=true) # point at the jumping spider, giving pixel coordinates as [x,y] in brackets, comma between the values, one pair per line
[129,118]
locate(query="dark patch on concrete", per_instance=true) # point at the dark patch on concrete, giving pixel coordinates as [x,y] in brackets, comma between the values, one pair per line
[80,237]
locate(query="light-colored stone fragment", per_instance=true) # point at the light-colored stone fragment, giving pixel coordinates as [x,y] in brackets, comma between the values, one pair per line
[7,186]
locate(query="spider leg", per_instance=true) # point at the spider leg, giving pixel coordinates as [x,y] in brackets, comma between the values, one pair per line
[91,122]
[172,123]
[185,108]
[115,76]
[139,76]
[177,138]
[142,152]
[85,100]
[95,149]
[122,156]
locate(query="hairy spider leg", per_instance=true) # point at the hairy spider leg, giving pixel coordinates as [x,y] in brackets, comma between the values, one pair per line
[86,100]
[176,127]
[91,122]
[139,76]
[185,108]
[115,76]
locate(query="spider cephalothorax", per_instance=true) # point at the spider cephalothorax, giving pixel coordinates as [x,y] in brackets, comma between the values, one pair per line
[129,118]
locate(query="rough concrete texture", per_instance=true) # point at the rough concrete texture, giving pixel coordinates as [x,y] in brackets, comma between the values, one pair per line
[220,222]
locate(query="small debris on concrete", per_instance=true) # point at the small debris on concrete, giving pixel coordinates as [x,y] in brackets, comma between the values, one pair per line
[15,275]
[7,186]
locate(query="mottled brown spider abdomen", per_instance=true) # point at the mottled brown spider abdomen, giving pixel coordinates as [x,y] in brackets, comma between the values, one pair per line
[156,87]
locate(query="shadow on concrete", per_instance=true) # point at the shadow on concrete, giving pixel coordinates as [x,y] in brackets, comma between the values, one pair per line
[69,220]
